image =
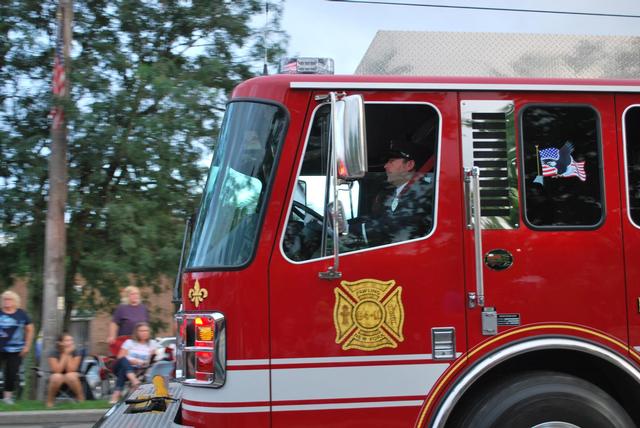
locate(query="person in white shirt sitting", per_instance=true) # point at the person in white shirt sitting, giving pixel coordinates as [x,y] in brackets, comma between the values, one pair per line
[135,353]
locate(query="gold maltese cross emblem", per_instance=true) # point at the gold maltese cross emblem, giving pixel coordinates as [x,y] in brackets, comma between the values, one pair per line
[368,315]
[197,294]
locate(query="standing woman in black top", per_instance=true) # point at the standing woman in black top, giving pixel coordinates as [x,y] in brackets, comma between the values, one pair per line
[16,335]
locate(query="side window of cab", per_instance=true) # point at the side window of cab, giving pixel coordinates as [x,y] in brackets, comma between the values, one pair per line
[562,159]
[632,153]
[393,203]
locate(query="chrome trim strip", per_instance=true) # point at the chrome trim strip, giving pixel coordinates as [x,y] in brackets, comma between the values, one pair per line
[197,349]
[493,360]
[303,407]
[465,86]
[262,362]
[333,360]
[359,359]
[341,406]
[248,409]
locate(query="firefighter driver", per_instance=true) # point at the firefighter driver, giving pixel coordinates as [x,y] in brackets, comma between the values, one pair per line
[403,210]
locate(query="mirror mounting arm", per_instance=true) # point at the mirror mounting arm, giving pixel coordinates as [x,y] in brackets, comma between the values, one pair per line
[327,97]
[332,272]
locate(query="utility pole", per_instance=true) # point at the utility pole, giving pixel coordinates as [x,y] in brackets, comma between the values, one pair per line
[53,303]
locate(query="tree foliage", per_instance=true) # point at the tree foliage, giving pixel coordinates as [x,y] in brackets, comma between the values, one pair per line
[148,84]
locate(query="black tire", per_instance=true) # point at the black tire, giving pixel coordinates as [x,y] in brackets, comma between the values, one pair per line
[530,399]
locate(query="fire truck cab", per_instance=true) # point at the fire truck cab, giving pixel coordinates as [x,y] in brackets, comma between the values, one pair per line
[492,285]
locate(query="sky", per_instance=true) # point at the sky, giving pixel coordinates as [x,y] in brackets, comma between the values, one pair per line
[343,31]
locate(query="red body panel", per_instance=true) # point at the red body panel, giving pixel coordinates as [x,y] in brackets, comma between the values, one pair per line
[282,342]
[242,296]
[430,274]
[631,232]
[558,276]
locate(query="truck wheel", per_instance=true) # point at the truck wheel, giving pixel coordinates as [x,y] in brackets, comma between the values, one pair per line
[544,400]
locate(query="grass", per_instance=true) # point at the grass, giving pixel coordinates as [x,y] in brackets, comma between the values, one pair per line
[25,405]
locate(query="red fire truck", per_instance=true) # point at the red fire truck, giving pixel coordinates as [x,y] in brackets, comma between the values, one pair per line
[511,300]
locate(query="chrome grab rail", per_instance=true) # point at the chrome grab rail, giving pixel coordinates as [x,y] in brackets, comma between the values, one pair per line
[472,202]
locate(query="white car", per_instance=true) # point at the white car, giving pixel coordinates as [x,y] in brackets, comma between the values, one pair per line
[165,359]
[166,348]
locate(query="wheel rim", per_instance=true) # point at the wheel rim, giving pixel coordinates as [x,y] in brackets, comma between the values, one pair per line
[556,424]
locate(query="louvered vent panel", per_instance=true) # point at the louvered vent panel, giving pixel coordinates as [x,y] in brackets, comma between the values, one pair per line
[490,155]
[489,143]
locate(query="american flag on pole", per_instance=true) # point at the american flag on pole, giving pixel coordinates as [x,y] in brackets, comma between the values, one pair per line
[59,78]
[548,158]
[290,66]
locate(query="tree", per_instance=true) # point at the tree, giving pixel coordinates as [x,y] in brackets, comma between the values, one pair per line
[149,82]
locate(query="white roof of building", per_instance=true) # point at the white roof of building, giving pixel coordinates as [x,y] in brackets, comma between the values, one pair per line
[417,53]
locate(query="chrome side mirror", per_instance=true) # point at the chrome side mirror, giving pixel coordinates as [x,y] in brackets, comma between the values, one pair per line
[348,162]
[350,137]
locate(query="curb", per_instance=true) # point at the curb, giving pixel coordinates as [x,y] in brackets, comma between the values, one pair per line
[50,416]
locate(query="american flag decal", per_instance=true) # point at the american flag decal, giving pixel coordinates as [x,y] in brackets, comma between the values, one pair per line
[576,169]
[59,87]
[560,163]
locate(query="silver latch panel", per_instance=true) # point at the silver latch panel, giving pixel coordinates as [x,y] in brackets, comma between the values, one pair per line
[489,321]
[443,341]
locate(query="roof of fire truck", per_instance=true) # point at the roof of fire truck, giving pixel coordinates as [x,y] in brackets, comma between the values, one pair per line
[265,85]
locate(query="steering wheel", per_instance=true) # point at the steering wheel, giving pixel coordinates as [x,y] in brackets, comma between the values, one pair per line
[301,209]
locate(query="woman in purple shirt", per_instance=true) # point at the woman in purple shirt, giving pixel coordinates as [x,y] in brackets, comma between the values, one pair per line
[127,315]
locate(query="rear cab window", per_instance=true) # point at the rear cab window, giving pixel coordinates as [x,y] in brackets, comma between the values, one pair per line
[631,127]
[562,167]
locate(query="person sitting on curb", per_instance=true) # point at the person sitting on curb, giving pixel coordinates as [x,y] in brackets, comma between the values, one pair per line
[134,353]
[64,363]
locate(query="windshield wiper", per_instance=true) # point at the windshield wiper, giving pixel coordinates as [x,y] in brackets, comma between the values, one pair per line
[177,291]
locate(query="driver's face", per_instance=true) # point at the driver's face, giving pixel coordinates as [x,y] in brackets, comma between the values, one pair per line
[398,170]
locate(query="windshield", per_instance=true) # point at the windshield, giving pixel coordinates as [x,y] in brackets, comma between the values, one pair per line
[227,227]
